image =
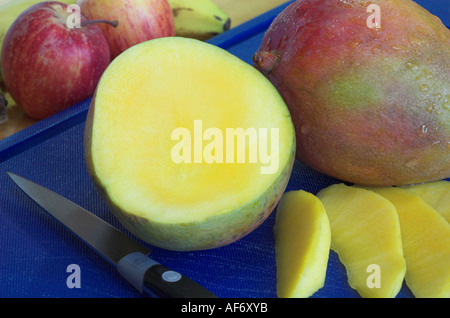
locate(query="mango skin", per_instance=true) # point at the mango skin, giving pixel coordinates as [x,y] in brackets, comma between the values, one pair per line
[210,233]
[370,105]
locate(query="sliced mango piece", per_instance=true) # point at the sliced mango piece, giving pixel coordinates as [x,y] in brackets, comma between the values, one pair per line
[436,194]
[426,243]
[302,244]
[365,233]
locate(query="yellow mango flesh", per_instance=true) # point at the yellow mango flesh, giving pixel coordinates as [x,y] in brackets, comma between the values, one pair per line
[302,244]
[167,84]
[436,194]
[426,243]
[365,231]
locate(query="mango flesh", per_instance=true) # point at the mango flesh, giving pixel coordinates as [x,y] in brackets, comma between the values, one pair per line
[426,243]
[436,194]
[302,244]
[365,233]
[166,85]
[370,105]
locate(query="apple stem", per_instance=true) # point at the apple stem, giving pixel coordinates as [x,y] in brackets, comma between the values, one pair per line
[114,23]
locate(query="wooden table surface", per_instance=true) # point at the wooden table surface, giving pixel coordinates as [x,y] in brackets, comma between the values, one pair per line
[239,11]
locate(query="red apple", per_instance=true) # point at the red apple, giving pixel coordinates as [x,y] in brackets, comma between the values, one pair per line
[48,66]
[139,20]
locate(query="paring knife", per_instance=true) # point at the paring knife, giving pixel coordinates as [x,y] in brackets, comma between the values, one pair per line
[128,256]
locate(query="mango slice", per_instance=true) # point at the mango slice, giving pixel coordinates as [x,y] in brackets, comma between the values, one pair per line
[436,194]
[365,233]
[302,245]
[426,243]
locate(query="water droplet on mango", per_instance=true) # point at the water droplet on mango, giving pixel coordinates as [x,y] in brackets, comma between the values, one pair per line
[446,102]
[354,44]
[428,75]
[412,65]
[376,49]
[424,88]
[437,96]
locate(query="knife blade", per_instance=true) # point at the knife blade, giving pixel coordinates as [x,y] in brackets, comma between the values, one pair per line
[128,256]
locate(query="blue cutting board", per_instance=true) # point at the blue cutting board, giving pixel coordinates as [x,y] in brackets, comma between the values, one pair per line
[35,250]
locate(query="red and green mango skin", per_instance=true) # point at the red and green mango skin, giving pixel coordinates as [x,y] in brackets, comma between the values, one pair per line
[370,105]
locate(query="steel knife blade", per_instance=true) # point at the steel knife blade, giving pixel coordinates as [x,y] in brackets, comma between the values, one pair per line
[127,255]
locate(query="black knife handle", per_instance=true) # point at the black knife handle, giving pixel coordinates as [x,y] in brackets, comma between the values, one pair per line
[162,282]
[156,280]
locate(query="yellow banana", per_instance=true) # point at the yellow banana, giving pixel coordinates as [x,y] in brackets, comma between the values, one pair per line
[199,19]
[10,10]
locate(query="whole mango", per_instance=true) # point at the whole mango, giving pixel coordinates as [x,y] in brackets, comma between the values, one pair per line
[368,87]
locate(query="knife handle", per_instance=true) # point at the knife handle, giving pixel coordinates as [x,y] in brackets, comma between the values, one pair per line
[156,280]
[162,282]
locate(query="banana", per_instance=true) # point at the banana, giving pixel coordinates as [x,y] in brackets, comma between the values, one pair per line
[10,10]
[199,19]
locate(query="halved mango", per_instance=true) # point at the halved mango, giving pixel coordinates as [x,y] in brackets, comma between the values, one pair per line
[302,244]
[426,243]
[365,233]
[189,146]
[436,194]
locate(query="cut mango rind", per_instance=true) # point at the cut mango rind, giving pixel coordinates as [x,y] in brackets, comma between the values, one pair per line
[302,245]
[365,232]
